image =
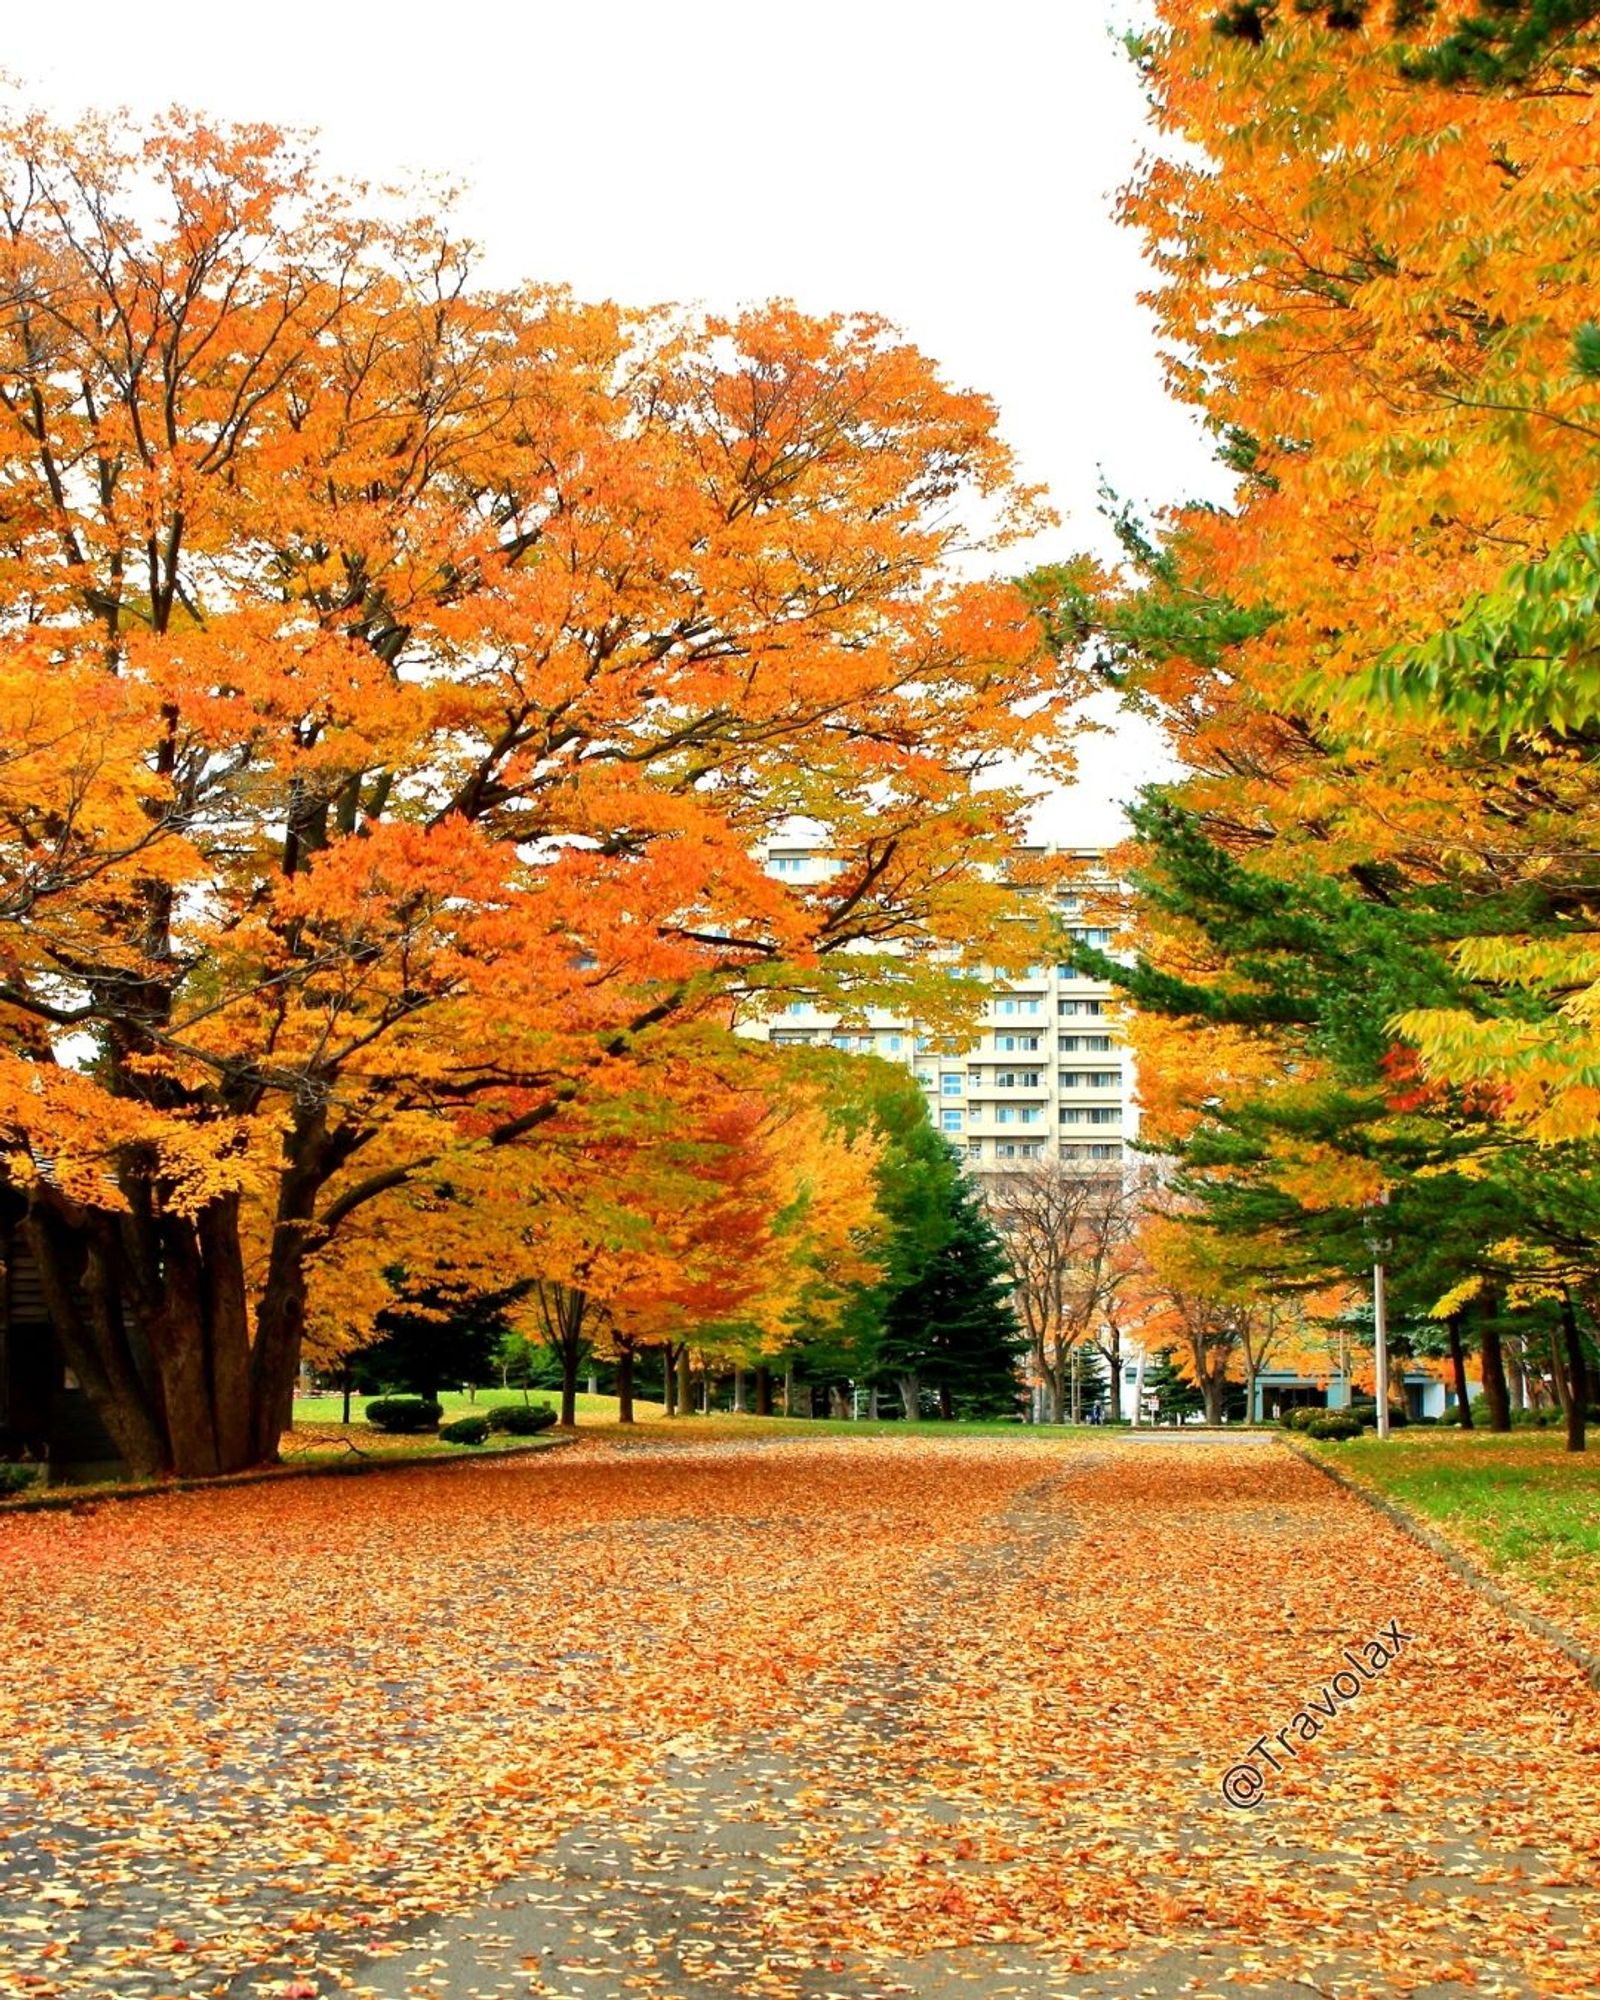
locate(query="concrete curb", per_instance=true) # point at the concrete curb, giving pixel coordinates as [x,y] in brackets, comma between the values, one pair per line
[76,1499]
[1470,1573]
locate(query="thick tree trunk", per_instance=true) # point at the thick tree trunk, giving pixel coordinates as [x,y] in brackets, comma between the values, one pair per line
[788,1387]
[1214,1391]
[685,1383]
[1058,1395]
[947,1408]
[1458,1368]
[1495,1392]
[624,1385]
[910,1396]
[1113,1354]
[669,1382]
[152,1314]
[763,1391]
[570,1358]
[738,1390]
[1576,1373]
[1249,1395]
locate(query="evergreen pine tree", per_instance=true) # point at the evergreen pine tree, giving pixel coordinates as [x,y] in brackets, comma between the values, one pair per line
[953,1328]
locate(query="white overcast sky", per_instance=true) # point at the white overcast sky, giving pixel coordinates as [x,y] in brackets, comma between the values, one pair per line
[951,166]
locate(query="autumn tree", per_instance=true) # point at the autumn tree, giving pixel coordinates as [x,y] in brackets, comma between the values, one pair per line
[1375,267]
[1069,1235]
[399,680]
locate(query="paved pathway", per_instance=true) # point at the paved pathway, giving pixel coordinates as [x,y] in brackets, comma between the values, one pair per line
[852,1719]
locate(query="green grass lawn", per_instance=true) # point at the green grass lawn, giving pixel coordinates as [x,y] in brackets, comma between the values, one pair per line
[591,1409]
[1519,1500]
[600,1413]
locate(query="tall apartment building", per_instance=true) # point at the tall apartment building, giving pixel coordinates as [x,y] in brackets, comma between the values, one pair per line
[1046,1075]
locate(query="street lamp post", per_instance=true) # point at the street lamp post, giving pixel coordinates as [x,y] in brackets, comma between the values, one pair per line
[1379,1243]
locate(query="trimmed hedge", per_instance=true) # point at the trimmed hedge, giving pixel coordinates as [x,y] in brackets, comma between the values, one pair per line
[465,1430]
[1366,1411]
[408,1415]
[1333,1425]
[521,1419]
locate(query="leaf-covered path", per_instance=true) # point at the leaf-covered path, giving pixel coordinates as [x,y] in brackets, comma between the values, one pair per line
[913,1715]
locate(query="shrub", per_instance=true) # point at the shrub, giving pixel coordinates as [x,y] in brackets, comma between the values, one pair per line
[15,1478]
[1302,1418]
[1366,1411]
[465,1430]
[1537,1420]
[406,1414]
[521,1419]
[1335,1425]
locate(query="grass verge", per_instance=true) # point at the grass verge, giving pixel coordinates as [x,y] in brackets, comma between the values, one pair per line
[1518,1502]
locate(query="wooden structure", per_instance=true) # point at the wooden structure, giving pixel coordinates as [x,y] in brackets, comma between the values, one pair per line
[43,1413]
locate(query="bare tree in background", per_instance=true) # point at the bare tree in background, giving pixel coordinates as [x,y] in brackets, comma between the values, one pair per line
[1070,1235]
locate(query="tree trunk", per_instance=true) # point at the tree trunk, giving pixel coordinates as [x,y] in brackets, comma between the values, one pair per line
[763,1391]
[1458,1367]
[1577,1376]
[1495,1392]
[1058,1394]
[669,1381]
[1214,1390]
[569,1384]
[349,1381]
[910,1396]
[947,1408]
[624,1385]
[788,1387]
[1249,1395]
[685,1383]
[738,1389]
[151,1313]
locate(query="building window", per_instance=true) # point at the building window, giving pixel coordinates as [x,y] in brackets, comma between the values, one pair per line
[950,1084]
[1018,1079]
[788,864]
[924,1077]
[1016,1044]
[892,1044]
[1091,1114]
[1004,1113]
[950,1118]
[1091,1010]
[1030,1114]
[798,1007]
[1105,1079]
[974,1149]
